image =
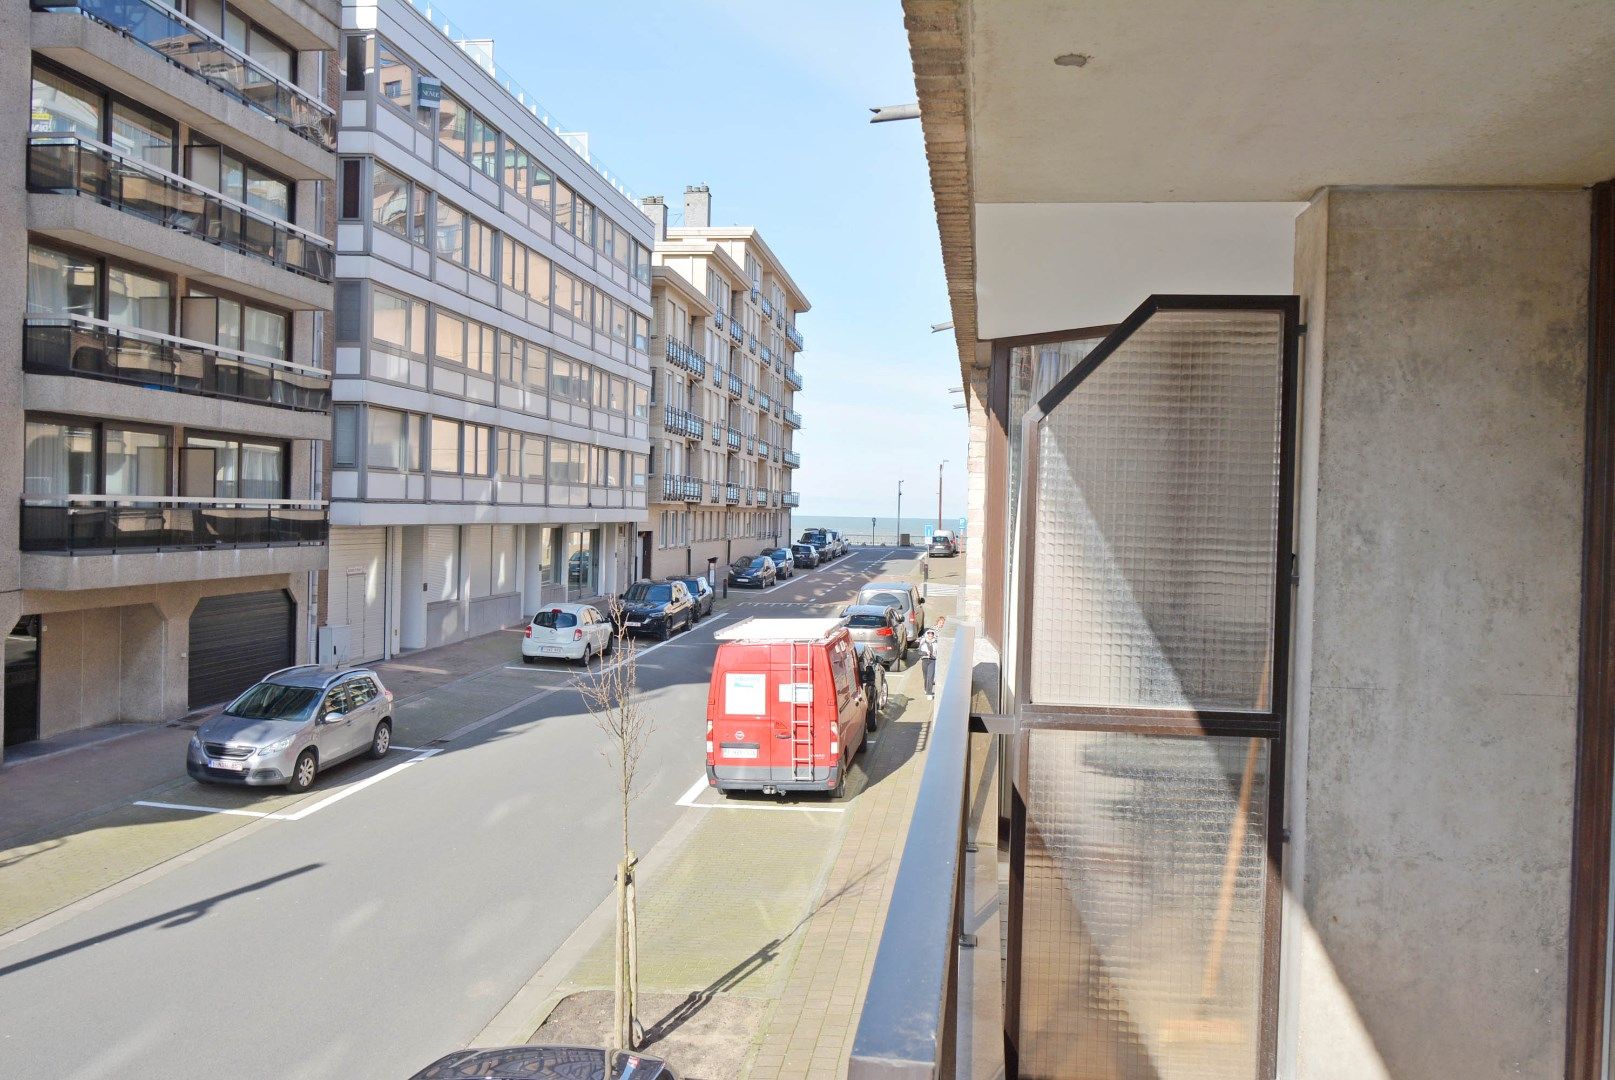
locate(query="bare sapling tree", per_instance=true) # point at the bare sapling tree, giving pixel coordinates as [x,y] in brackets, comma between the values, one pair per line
[610,692]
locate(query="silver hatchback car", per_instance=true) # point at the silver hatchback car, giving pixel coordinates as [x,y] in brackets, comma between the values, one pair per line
[294,723]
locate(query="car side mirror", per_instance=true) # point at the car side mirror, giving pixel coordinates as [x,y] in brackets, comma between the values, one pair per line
[922,601]
[330,718]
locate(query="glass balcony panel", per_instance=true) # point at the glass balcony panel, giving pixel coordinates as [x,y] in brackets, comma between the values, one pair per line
[91,526]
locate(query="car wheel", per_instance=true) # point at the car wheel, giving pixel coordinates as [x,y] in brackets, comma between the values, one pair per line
[529,659]
[382,740]
[667,629]
[588,654]
[841,783]
[304,771]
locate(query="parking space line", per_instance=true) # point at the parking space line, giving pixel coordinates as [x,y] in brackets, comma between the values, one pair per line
[689,799]
[203,809]
[351,789]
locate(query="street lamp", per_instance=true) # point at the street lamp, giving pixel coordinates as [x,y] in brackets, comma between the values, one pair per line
[943,462]
[900,512]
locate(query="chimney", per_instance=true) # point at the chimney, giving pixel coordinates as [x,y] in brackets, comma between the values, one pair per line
[698,207]
[656,209]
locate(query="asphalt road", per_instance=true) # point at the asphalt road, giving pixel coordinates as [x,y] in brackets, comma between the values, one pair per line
[388,928]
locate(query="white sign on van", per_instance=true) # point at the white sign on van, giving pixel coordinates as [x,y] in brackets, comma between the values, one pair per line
[745,694]
[797,693]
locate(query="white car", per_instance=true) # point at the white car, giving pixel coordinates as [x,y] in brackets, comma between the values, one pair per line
[566,632]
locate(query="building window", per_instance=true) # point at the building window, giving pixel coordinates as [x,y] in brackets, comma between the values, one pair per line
[450,233]
[517,171]
[394,440]
[397,204]
[452,118]
[479,248]
[59,458]
[641,403]
[396,77]
[538,368]
[478,442]
[398,323]
[538,278]
[484,147]
[360,59]
[238,468]
[445,445]
[345,436]
[512,265]
[62,283]
[352,196]
[533,457]
[563,206]
[541,188]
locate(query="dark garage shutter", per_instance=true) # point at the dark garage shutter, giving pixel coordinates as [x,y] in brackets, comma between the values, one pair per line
[235,641]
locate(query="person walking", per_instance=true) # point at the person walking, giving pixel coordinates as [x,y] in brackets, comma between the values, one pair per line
[928,662]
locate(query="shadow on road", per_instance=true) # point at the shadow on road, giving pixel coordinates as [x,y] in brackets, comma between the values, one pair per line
[179,916]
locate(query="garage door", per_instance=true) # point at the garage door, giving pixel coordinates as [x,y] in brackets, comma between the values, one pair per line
[358,589]
[236,640]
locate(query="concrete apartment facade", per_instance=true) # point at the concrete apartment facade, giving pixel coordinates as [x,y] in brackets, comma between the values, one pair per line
[170,277]
[724,412]
[1402,868]
[492,371]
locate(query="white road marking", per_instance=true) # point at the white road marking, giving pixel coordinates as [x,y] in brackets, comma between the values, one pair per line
[351,789]
[203,809]
[689,799]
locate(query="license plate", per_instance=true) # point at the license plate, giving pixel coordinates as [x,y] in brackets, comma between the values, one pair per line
[229,766]
[740,751]
[550,650]
[633,624]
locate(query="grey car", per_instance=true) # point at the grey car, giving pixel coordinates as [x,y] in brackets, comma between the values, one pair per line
[294,723]
[901,595]
[880,629]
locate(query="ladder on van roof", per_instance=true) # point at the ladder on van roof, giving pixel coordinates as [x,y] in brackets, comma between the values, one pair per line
[801,712]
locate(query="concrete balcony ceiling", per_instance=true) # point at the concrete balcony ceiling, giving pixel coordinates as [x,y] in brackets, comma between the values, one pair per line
[1164,100]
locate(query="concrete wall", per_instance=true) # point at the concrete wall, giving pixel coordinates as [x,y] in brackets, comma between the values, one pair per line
[1437,635]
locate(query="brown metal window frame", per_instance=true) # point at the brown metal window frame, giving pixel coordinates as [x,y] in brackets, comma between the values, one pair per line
[1271,724]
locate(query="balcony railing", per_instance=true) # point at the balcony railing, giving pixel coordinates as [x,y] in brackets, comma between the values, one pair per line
[766,353]
[762,448]
[768,308]
[735,385]
[687,358]
[95,349]
[109,524]
[731,494]
[715,491]
[763,401]
[680,422]
[792,418]
[717,319]
[717,373]
[922,990]
[793,377]
[756,294]
[792,459]
[733,437]
[67,164]
[790,498]
[187,44]
[762,496]
[794,336]
[685,488]
[745,495]
[735,331]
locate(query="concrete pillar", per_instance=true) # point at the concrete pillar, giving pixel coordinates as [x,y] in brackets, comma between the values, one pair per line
[412,588]
[175,635]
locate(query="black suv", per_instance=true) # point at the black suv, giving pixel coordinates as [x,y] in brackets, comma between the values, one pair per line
[656,607]
[701,593]
[757,571]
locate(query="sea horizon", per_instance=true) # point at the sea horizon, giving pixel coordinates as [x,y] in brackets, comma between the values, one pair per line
[856,528]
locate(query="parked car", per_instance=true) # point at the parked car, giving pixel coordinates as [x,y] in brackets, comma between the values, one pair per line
[756,571]
[782,718]
[701,592]
[904,597]
[839,541]
[822,542]
[578,568]
[656,607]
[546,1063]
[872,673]
[784,563]
[291,725]
[942,544]
[567,632]
[806,556]
[881,628]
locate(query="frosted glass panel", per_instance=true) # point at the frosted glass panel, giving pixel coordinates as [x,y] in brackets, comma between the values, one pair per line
[1157,516]
[1142,903]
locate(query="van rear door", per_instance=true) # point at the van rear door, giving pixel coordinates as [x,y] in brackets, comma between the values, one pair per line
[742,707]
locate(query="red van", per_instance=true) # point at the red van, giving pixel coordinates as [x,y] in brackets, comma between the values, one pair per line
[786,710]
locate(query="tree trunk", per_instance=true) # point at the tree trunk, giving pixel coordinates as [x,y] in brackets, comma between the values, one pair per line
[619,1040]
[632,933]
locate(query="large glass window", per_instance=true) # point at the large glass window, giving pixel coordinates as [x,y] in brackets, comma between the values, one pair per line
[398,322]
[541,190]
[136,462]
[445,445]
[450,233]
[62,105]
[518,170]
[448,337]
[390,201]
[484,146]
[513,265]
[538,367]
[619,321]
[452,118]
[478,450]
[239,468]
[538,278]
[533,457]
[138,300]
[142,136]
[249,328]
[396,78]
[563,205]
[394,440]
[479,248]
[58,458]
[61,283]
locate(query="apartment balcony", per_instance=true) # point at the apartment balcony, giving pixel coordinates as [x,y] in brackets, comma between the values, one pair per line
[776,453]
[731,494]
[790,498]
[69,165]
[794,336]
[792,459]
[681,488]
[187,45]
[736,332]
[680,422]
[762,496]
[715,492]
[751,394]
[681,355]
[768,308]
[764,402]
[792,418]
[718,319]
[112,524]
[87,348]
[762,448]
[756,294]
[733,438]
[745,495]
[794,378]
[736,387]
[751,343]
[767,354]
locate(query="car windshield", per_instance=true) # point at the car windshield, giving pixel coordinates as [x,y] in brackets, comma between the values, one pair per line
[693,584]
[271,701]
[555,620]
[760,561]
[883,599]
[802,549]
[741,564]
[867,621]
[644,592]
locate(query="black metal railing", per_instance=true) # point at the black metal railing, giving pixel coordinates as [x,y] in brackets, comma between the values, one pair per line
[791,498]
[187,44]
[67,164]
[920,992]
[735,385]
[715,491]
[794,336]
[716,432]
[793,377]
[792,458]
[731,493]
[735,331]
[751,394]
[766,353]
[717,319]
[687,358]
[768,308]
[792,418]
[680,422]
[745,495]
[733,438]
[98,524]
[751,343]
[763,401]
[762,496]
[685,488]
[92,349]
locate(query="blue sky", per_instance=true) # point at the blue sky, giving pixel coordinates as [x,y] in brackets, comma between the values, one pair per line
[768,104]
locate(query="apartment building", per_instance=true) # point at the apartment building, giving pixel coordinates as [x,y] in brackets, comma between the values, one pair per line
[170,278]
[492,331]
[724,417]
